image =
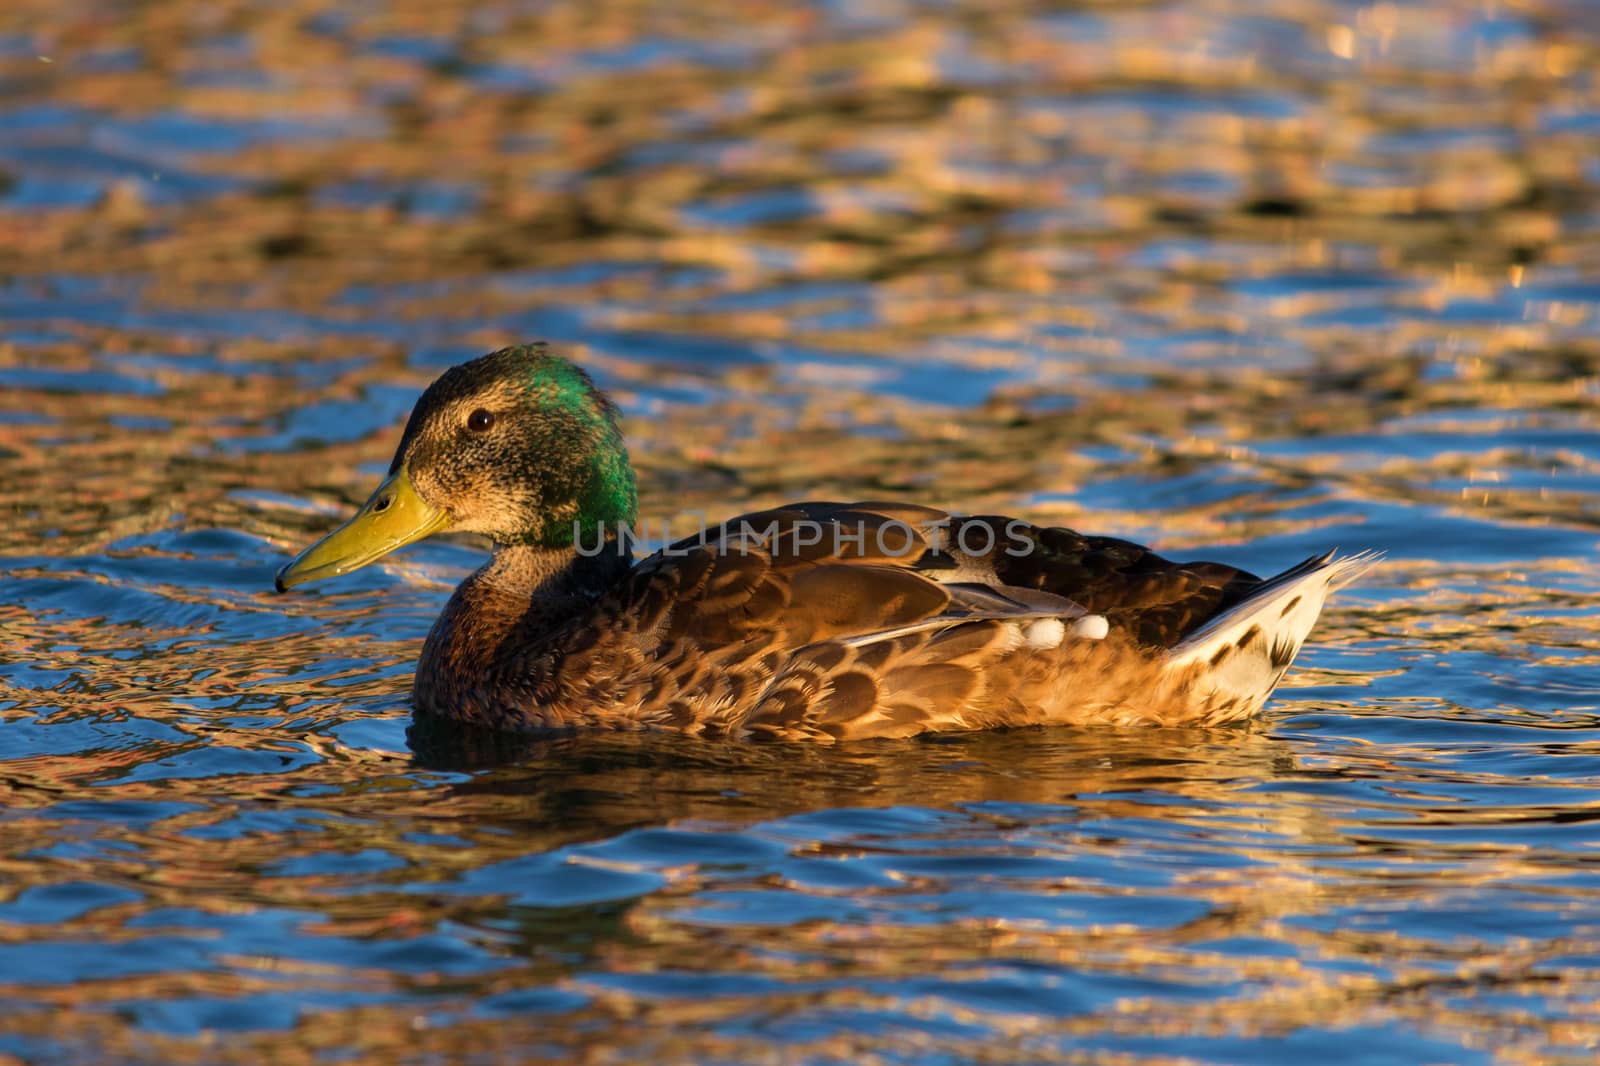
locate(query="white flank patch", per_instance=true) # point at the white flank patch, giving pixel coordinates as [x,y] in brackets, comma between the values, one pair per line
[1045,633]
[1091,627]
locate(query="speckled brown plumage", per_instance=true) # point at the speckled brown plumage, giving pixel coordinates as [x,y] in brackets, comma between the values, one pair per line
[762,636]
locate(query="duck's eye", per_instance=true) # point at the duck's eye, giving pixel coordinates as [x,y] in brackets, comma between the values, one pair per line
[480,420]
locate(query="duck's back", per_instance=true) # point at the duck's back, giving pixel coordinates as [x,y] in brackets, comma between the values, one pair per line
[840,621]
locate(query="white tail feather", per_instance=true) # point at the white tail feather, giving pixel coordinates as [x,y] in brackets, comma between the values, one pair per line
[1246,649]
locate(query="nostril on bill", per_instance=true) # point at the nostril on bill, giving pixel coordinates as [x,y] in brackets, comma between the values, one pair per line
[381,504]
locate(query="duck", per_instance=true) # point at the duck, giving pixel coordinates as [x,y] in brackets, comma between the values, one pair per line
[819,620]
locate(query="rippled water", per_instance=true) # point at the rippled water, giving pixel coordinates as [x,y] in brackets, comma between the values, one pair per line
[1242,281]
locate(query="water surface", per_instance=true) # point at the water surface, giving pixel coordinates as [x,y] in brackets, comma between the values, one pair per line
[1245,282]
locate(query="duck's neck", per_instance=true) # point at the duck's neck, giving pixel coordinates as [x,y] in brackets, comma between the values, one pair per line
[519,599]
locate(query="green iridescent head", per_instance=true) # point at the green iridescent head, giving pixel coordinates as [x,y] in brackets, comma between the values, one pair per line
[518,445]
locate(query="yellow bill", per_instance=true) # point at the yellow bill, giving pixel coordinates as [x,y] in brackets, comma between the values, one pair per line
[393,517]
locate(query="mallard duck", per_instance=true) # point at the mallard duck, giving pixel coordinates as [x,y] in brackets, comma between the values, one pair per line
[817,620]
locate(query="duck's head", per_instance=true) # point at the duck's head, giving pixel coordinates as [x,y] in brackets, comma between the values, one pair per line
[518,445]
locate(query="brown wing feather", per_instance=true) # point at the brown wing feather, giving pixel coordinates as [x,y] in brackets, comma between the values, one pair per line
[767,628]
[1152,599]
